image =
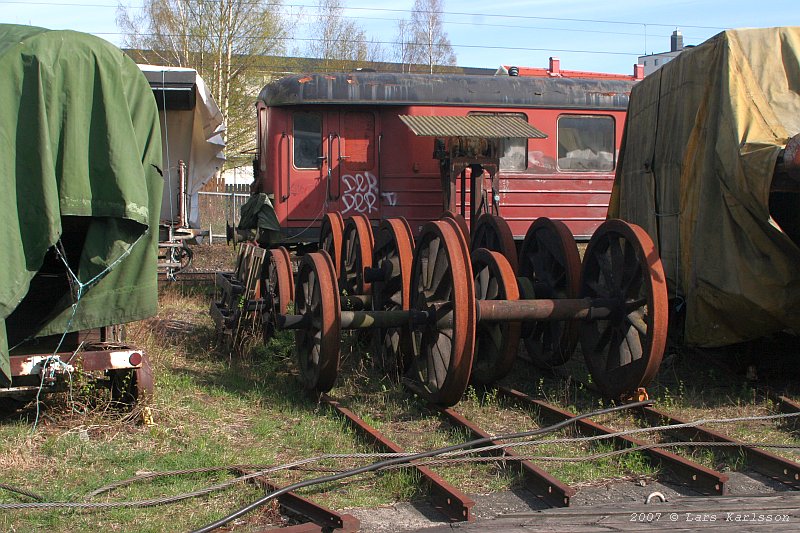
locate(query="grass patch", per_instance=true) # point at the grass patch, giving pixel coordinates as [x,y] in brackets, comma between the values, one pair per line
[215,408]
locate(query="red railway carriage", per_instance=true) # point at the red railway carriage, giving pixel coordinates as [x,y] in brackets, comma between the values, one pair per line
[338,142]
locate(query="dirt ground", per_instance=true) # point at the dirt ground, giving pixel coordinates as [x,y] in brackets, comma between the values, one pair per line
[212,257]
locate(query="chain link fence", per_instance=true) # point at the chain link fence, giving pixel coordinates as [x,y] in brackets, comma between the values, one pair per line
[221,206]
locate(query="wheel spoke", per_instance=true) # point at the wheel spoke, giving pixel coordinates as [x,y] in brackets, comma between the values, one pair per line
[482,285]
[634,344]
[440,287]
[614,355]
[636,320]
[433,251]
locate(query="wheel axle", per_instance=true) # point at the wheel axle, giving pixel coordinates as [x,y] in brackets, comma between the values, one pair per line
[543,310]
[450,316]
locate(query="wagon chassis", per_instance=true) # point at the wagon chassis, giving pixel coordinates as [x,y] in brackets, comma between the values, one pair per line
[126,372]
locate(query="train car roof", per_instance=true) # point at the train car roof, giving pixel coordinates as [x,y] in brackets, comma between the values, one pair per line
[370,88]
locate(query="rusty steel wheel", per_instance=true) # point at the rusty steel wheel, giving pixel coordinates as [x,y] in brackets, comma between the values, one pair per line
[331,237]
[493,233]
[393,253]
[496,343]
[441,283]
[356,255]
[459,220]
[551,266]
[317,296]
[280,289]
[623,352]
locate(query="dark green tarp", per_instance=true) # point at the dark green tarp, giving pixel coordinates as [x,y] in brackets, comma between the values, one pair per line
[80,146]
[258,214]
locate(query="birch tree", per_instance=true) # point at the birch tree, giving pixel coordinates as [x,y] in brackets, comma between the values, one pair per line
[431,46]
[224,40]
[404,46]
[339,41]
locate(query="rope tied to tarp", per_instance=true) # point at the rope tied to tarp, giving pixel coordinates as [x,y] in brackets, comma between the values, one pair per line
[51,364]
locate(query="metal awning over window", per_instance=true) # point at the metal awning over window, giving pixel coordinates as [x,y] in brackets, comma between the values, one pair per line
[484,126]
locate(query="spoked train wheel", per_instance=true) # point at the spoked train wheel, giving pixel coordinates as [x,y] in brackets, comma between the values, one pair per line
[356,255]
[549,268]
[442,284]
[280,289]
[318,344]
[331,236]
[459,220]
[493,233]
[496,343]
[393,254]
[623,351]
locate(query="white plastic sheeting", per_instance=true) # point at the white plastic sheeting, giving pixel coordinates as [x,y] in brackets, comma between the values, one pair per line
[194,136]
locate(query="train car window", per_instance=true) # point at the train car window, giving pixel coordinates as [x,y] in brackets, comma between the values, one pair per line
[513,150]
[586,143]
[515,153]
[307,140]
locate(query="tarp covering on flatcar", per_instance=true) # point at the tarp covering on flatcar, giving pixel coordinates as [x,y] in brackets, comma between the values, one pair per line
[80,149]
[702,137]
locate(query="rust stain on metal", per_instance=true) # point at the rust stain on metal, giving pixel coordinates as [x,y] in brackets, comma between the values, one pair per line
[784,470]
[448,499]
[693,474]
[323,518]
[545,486]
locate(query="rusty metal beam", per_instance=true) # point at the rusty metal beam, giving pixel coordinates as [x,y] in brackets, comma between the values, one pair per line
[785,405]
[449,500]
[699,477]
[323,519]
[90,361]
[553,491]
[783,470]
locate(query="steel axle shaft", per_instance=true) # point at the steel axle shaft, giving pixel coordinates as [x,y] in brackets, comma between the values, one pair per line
[529,310]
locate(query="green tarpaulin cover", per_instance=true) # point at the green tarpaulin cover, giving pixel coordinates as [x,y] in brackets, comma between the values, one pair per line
[259,214]
[702,137]
[79,140]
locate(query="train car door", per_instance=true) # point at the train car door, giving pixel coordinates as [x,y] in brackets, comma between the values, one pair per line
[353,157]
[307,168]
[334,165]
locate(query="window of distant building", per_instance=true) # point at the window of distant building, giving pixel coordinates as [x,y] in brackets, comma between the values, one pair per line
[655,62]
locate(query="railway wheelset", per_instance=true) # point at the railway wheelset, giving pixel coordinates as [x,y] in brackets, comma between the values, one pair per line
[448,313]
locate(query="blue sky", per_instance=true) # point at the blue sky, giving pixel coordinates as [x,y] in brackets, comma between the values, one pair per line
[586,35]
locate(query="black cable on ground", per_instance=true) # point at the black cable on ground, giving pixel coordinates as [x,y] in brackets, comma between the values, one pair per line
[409,458]
[24,492]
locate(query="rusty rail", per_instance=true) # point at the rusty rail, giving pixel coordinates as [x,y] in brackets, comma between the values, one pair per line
[701,478]
[456,505]
[783,470]
[321,518]
[188,277]
[543,485]
[785,405]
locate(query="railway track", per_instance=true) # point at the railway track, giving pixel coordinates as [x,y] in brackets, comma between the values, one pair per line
[455,503]
[447,316]
[189,277]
